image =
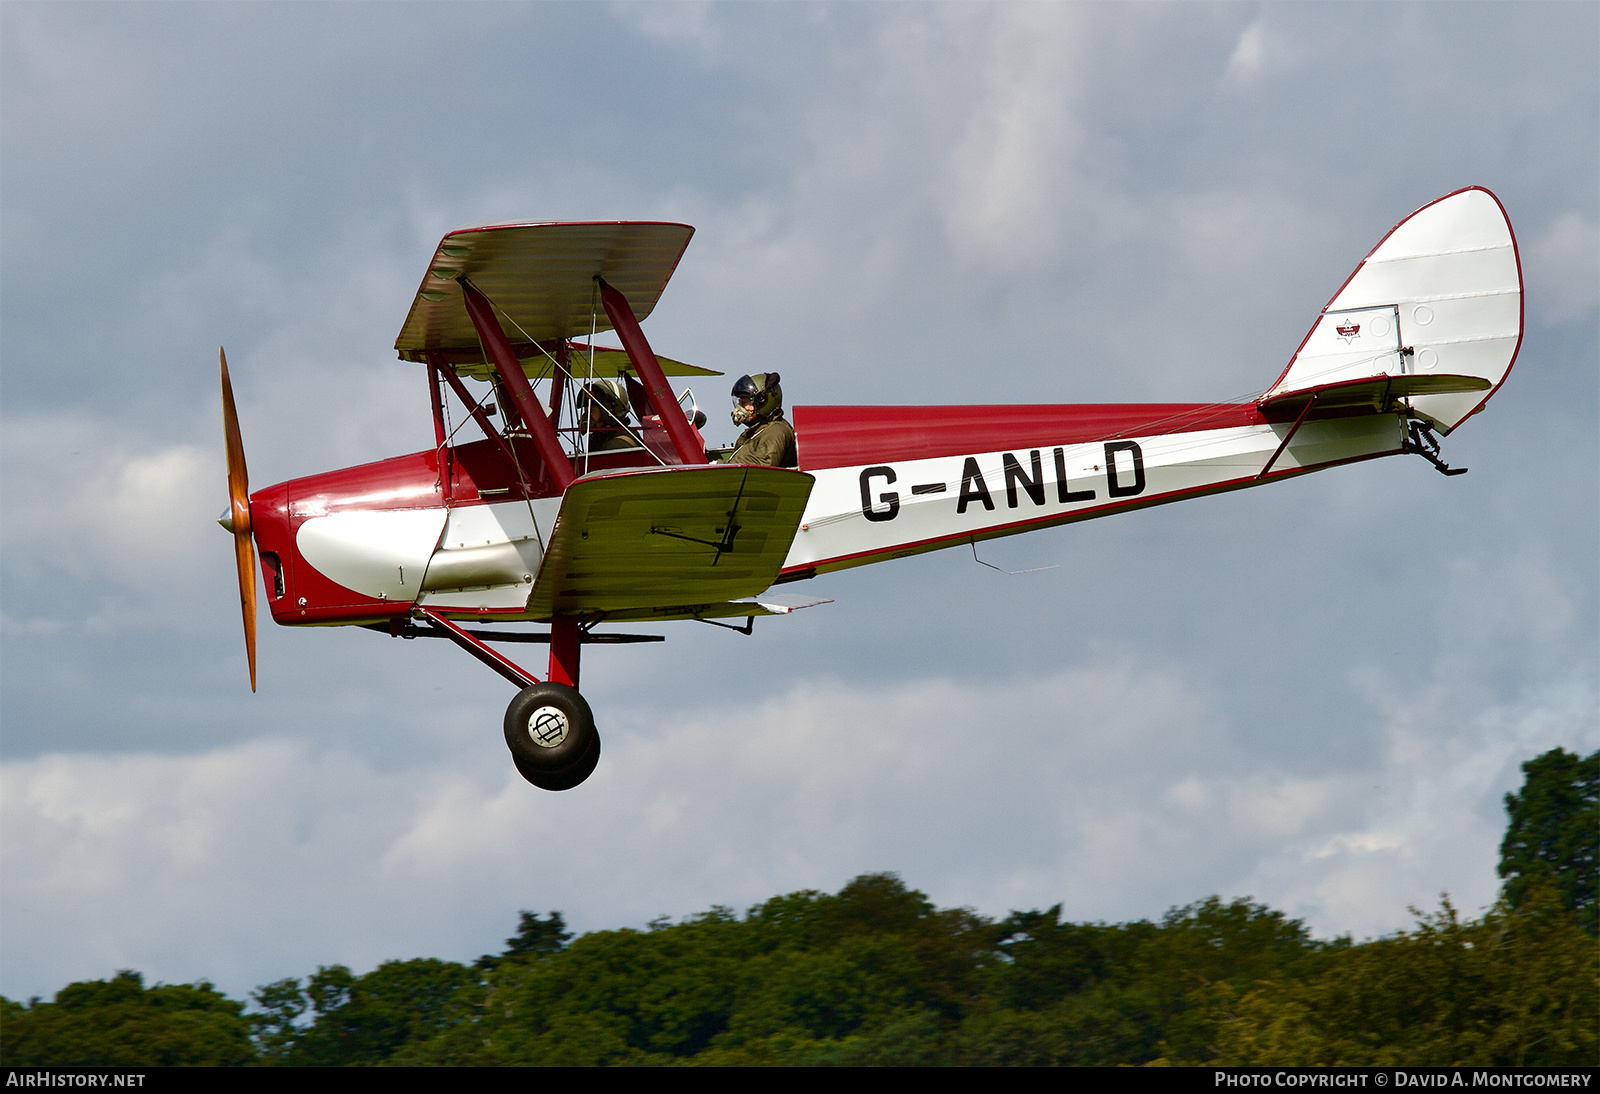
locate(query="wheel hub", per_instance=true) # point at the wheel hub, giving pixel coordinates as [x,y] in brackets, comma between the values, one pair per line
[548,727]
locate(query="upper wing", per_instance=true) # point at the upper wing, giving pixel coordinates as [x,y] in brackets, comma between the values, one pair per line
[542,277]
[1439,297]
[668,541]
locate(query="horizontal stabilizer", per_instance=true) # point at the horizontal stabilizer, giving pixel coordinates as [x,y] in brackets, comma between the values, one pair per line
[668,542]
[1379,395]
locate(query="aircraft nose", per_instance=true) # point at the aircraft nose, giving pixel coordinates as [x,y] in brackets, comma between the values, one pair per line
[226,519]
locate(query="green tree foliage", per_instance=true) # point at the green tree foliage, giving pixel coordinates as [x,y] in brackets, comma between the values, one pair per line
[1554,832]
[534,936]
[807,975]
[121,1023]
[1518,987]
[611,997]
[275,1024]
[1080,993]
[875,974]
[358,1019]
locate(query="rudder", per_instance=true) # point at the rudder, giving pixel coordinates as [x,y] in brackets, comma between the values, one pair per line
[1439,297]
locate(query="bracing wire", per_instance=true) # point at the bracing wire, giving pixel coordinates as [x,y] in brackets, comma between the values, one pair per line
[1012,573]
[593,328]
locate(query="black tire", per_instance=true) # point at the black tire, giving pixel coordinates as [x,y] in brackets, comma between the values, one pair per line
[550,730]
[564,780]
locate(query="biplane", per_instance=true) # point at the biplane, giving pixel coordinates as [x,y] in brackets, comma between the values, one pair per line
[526,522]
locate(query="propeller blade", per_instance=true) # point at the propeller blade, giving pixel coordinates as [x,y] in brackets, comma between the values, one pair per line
[244,548]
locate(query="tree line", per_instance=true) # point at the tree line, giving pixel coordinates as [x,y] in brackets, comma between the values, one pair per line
[876,974]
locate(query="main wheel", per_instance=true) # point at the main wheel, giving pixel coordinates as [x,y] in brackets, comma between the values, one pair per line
[550,731]
[564,780]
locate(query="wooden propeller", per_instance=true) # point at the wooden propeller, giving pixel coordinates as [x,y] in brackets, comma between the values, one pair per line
[244,548]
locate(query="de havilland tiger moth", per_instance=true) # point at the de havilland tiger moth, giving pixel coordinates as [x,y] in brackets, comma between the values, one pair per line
[536,523]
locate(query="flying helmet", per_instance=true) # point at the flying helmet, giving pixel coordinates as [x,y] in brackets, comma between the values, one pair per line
[761,392]
[607,393]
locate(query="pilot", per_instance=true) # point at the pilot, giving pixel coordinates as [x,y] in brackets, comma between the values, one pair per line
[606,409]
[768,437]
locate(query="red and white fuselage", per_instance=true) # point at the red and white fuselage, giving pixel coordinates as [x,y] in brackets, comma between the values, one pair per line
[1423,332]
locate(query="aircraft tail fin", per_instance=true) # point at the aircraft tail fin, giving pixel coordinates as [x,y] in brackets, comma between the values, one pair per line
[1432,316]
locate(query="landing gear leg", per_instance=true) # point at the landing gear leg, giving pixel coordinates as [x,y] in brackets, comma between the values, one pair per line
[564,644]
[549,728]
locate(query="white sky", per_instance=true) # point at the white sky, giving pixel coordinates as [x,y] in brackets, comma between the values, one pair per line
[1314,694]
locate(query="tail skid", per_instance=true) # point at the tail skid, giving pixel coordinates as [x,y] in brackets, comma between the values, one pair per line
[1420,439]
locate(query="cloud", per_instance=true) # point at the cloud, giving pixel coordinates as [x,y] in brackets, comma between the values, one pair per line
[188,866]
[98,507]
[1122,795]
[1250,54]
[1014,159]
[1429,819]
[691,22]
[1562,268]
